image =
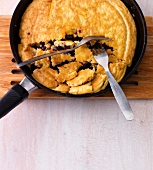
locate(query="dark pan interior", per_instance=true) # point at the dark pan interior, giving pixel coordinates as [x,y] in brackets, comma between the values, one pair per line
[140,49]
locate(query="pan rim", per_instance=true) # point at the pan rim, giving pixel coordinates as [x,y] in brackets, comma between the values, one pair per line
[29,76]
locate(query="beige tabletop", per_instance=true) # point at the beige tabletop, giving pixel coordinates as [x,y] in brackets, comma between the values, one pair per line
[77,134]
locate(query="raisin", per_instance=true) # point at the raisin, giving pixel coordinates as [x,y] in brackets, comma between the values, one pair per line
[43,48]
[72,53]
[51,42]
[69,37]
[79,31]
[58,48]
[108,47]
[85,66]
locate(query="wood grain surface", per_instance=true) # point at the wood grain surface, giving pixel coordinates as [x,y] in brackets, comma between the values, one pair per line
[133,88]
[53,134]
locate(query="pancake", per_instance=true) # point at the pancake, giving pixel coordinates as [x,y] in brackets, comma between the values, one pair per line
[52,25]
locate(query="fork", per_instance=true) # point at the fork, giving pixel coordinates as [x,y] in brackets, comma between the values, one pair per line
[101,57]
[83,41]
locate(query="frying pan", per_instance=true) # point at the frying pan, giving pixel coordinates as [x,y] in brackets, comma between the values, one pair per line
[21,91]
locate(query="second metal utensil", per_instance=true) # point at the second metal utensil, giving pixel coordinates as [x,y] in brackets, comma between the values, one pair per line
[101,57]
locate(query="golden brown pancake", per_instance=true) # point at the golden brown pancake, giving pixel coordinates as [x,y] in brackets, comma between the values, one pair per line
[52,25]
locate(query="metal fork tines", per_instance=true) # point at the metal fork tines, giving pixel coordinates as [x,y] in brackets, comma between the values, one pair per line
[101,57]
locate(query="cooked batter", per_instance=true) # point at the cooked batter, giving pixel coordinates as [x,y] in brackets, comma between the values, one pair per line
[51,25]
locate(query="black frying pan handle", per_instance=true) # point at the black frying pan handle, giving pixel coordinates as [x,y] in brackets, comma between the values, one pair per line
[12,98]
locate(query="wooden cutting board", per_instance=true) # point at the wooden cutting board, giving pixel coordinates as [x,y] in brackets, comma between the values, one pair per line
[139,86]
